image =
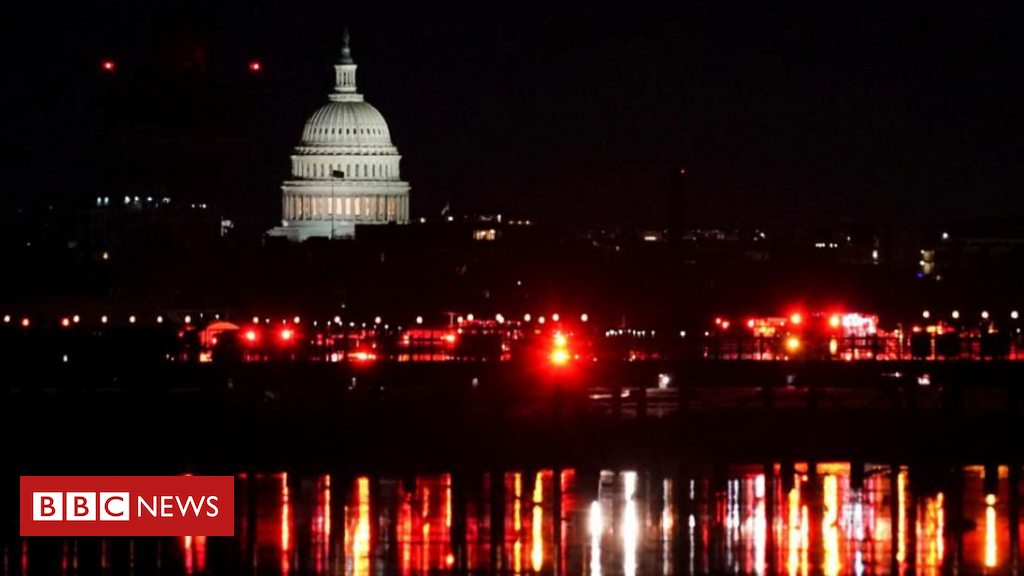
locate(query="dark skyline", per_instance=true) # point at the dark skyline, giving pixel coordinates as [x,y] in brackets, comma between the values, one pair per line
[784,115]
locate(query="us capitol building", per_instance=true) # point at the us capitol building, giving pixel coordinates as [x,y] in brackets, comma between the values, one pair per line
[345,170]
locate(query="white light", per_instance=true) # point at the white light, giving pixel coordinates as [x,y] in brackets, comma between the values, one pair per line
[419,319]
[460,319]
[296,319]
[956,314]
[584,317]
[664,380]
[131,319]
[469,317]
[159,319]
[1013,315]
[499,319]
[945,235]
[555,317]
[75,319]
[255,319]
[7,319]
[103,319]
[377,320]
[541,320]
[337,319]
[188,319]
[926,314]
[526,317]
[984,314]
[682,333]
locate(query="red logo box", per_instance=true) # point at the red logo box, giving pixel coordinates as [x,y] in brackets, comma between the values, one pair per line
[127,506]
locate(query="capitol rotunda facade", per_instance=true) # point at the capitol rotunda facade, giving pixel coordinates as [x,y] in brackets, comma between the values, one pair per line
[345,170]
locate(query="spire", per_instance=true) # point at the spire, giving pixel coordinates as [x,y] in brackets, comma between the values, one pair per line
[346,50]
[345,73]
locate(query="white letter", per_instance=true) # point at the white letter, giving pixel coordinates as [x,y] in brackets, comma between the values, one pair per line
[190,503]
[166,504]
[143,503]
[210,503]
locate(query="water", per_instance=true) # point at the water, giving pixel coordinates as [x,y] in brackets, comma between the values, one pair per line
[901,522]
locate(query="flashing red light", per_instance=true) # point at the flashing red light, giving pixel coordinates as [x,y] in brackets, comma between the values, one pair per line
[718,321]
[725,324]
[255,66]
[449,338]
[560,353]
[834,321]
[750,323]
[559,357]
[108,65]
[24,322]
[250,335]
[287,334]
[796,318]
[65,322]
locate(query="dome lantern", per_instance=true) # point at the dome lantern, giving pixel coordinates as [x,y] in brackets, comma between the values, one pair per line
[345,75]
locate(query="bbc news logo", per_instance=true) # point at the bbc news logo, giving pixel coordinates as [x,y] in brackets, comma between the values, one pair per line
[127,506]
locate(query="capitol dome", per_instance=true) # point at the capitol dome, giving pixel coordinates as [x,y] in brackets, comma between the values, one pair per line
[345,169]
[346,123]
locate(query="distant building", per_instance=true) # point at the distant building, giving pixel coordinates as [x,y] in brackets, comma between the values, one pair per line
[345,171]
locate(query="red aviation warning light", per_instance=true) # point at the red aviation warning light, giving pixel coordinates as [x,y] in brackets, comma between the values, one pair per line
[255,66]
[108,66]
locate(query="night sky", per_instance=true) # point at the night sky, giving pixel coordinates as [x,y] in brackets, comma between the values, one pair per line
[783,113]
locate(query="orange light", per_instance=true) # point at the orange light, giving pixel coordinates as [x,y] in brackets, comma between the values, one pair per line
[250,335]
[834,321]
[363,356]
[559,357]
[286,334]
[560,340]
[796,318]
[449,338]
[65,322]
[793,343]
[24,322]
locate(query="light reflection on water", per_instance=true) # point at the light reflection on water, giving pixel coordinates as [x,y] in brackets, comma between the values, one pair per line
[802,520]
